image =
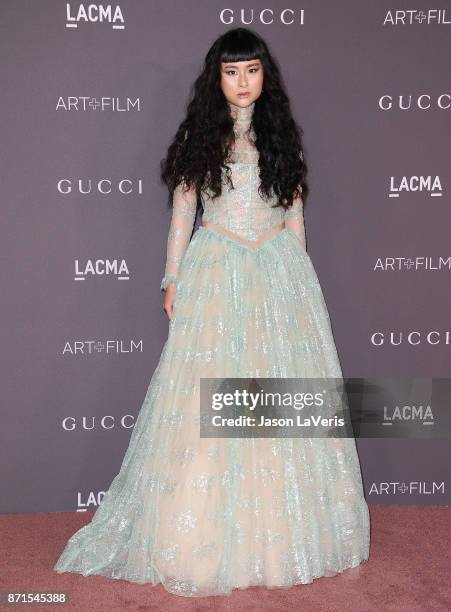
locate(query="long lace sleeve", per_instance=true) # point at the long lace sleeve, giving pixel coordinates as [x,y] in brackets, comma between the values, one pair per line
[294,219]
[180,230]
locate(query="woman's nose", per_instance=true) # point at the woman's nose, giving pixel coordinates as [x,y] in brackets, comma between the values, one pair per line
[243,80]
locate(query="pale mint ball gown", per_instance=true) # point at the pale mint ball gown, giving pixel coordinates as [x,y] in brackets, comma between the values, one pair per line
[205,516]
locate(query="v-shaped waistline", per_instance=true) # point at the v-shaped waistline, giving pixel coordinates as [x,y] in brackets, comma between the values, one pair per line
[250,243]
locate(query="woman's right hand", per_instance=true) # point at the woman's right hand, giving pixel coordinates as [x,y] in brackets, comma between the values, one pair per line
[168,300]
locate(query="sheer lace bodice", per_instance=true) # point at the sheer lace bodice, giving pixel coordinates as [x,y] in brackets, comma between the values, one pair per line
[240,211]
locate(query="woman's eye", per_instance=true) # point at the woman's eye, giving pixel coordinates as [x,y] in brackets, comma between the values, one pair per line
[229,72]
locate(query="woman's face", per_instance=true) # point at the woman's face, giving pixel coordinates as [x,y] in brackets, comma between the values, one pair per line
[239,78]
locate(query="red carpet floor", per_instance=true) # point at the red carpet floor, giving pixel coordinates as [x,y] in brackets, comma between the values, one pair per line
[409,569]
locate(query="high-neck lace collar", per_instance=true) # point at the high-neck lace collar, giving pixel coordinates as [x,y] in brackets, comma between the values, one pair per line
[242,117]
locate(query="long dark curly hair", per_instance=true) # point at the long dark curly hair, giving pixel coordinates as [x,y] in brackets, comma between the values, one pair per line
[198,154]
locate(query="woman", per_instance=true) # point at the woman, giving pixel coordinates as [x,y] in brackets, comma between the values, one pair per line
[204,516]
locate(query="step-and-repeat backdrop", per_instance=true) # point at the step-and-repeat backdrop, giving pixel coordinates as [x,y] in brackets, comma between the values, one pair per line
[91,96]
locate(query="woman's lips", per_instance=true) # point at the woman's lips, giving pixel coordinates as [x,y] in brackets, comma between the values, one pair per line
[243,95]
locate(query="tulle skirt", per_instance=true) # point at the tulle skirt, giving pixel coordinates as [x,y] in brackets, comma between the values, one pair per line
[204,516]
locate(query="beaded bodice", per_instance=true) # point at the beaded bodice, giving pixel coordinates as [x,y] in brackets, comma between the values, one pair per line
[239,210]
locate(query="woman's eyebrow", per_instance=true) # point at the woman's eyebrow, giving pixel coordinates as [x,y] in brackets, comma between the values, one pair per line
[235,66]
